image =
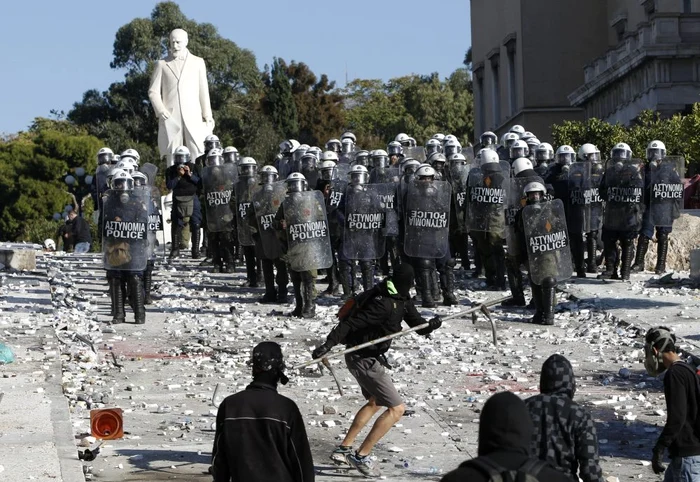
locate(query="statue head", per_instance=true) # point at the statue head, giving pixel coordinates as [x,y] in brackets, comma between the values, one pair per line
[178,41]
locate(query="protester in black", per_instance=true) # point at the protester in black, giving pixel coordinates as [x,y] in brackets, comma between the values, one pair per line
[505,433]
[260,434]
[681,434]
[80,232]
[564,432]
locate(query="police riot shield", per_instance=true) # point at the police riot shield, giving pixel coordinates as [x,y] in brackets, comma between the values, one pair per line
[365,224]
[666,190]
[459,176]
[624,195]
[125,230]
[341,172]
[487,197]
[218,182]
[468,153]
[597,205]
[308,238]
[284,167]
[417,153]
[578,198]
[388,195]
[150,170]
[346,158]
[427,219]
[547,241]
[310,173]
[245,188]
[266,202]
[515,202]
[101,179]
[381,175]
[338,188]
[155,221]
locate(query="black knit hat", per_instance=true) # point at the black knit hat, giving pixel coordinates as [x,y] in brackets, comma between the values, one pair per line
[403,279]
[267,357]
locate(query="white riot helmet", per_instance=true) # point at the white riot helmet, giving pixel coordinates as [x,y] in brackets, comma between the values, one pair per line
[247,167]
[132,153]
[508,139]
[230,155]
[588,153]
[358,175]
[402,139]
[395,148]
[104,156]
[488,156]
[437,161]
[534,192]
[451,146]
[348,135]
[333,145]
[379,158]
[110,175]
[656,150]
[544,153]
[410,166]
[457,158]
[361,158]
[411,142]
[327,170]
[126,165]
[432,146]
[211,142]
[316,151]
[521,164]
[181,156]
[347,145]
[296,182]
[49,244]
[565,155]
[449,137]
[329,156]
[288,146]
[527,135]
[140,179]
[519,149]
[122,181]
[425,172]
[488,139]
[517,130]
[440,137]
[215,157]
[268,175]
[621,152]
[532,144]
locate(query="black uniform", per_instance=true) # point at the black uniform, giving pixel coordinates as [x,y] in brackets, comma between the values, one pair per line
[186,209]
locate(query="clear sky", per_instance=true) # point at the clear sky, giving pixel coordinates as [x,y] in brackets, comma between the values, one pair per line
[56,50]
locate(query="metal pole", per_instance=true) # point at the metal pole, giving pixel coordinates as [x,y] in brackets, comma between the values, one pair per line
[482,307]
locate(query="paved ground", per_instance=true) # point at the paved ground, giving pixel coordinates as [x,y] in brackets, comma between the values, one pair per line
[164,373]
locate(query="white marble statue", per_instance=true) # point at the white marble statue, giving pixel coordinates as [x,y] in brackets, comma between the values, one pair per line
[179,93]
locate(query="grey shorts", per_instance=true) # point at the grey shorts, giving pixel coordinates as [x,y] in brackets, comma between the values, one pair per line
[373,379]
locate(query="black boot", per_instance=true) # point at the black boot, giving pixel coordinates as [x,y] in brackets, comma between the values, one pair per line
[426,287]
[309,299]
[137,299]
[662,251]
[345,274]
[268,272]
[610,254]
[115,294]
[515,281]
[196,239]
[549,300]
[298,298]
[447,280]
[176,232]
[591,261]
[627,255]
[577,248]
[147,283]
[367,269]
[642,248]
[282,278]
[538,318]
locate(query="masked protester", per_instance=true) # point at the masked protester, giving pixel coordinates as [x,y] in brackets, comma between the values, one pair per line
[260,434]
[681,434]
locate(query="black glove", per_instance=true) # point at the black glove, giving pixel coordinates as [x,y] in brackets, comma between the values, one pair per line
[435,323]
[320,351]
[657,460]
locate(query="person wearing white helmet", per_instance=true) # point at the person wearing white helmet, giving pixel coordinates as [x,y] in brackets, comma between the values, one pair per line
[518,130]
[334,145]
[664,184]
[231,155]
[283,161]
[488,140]
[186,215]
[544,157]
[591,154]
[395,152]
[507,141]
[518,149]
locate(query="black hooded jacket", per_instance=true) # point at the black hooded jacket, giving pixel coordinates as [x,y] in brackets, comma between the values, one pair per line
[565,435]
[505,431]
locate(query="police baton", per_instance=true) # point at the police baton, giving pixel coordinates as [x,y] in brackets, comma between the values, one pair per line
[483,308]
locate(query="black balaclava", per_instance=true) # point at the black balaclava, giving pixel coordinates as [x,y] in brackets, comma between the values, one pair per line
[505,425]
[403,279]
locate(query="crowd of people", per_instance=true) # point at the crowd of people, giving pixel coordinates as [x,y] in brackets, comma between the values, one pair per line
[410,212]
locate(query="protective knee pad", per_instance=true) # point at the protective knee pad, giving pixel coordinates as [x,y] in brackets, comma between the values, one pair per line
[549,282]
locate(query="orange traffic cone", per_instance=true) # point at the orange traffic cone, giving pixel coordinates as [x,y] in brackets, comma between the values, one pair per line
[107,423]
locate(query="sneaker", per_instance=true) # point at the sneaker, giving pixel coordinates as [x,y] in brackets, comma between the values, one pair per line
[364,465]
[340,455]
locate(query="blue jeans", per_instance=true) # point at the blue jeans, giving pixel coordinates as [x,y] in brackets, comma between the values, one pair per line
[81,248]
[683,469]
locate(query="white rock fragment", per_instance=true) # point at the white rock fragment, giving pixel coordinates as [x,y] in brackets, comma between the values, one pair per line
[328,423]
[395,449]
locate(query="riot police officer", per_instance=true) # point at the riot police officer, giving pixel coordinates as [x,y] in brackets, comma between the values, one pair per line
[544,155]
[589,153]
[218,179]
[507,141]
[230,155]
[395,152]
[518,149]
[186,214]
[245,188]
[433,146]
[488,140]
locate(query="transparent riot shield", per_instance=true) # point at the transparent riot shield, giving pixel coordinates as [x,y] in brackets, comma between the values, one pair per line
[155,221]
[487,195]
[459,178]
[468,153]
[308,238]
[417,153]
[245,188]
[365,222]
[515,202]
[125,230]
[266,202]
[427,219]
[218,184]
[284,167]
[547,241]
[150,170]
[381,175]
[624,195]
[578,198]
[337,194]
[666,190]
[341,172]
[101,180]
[597,204]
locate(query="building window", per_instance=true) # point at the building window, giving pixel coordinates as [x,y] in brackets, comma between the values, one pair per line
[496,93]
[687,6]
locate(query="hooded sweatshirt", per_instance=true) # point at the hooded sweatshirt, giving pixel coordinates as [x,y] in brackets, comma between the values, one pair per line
[505,432]
[564,432]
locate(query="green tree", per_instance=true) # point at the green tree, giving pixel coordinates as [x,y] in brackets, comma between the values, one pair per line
[278,102]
